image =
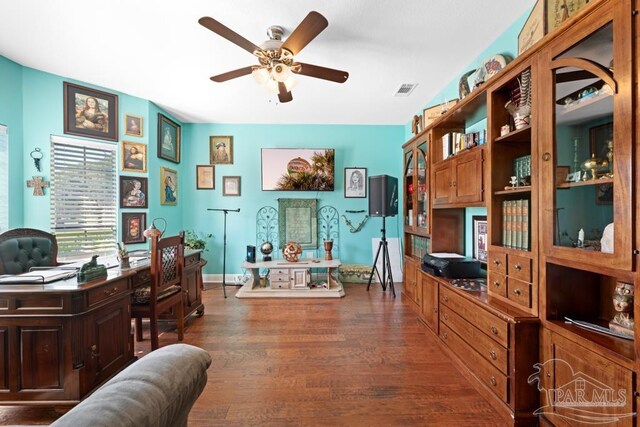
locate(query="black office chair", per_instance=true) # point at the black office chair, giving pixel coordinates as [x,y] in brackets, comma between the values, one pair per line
[24,248]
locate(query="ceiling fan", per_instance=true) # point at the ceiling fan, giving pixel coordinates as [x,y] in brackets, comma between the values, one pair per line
[276,57]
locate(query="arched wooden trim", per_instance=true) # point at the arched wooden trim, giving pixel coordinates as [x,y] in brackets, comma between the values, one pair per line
[591,66]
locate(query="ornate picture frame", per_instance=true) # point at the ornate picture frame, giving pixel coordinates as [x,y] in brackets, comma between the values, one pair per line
[168,186]
[298,222]
[169,138]
[133,192]
[133,226]
[132,125]
[133,157]
[231,186]
[90,112]
[355,183]
[205,177]
[480,235]
[221,150]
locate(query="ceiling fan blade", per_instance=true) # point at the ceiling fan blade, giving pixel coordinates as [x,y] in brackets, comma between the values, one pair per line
[284,95]
[228,34]
[232,74]
[319,72]
[309,28]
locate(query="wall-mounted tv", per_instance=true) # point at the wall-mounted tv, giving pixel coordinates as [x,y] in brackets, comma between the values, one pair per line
[297,169]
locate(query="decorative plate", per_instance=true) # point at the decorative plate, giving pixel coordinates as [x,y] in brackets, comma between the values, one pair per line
[493,65]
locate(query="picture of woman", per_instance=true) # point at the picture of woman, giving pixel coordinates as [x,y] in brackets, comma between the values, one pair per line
[133,192]
[168,139]
[133,125]
[355,185]
[133,159]
[90,112]
[133,156]
[90,116]
[136,196]
[169,189]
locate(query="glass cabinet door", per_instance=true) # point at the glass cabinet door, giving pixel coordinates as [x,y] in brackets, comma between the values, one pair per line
[590,92]
[422,190]
[408,189]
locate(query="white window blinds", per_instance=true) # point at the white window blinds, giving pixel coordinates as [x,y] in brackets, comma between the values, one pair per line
[4,179]
[83,197]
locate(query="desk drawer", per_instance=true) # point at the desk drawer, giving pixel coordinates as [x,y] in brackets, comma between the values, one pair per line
[106,291]
[276,284]
[519,268]
[519,292]
[141,278]
[497,262]
[497,284]
[491,325]
[493,352]
[192,260]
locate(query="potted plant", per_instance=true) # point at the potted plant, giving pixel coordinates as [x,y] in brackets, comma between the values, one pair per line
[193,241]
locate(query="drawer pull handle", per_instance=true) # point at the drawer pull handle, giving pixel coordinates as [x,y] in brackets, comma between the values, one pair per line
[94,351]
[496,283]
[493,381]
[494,330]
[446,316]
[518,267]
[517,291]
[110,292]
[496,262]
[445,335]
[493,355]
[445,298]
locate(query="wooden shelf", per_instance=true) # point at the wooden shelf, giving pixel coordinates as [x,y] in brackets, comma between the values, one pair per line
[578,111]
[518,135]
[516,190]
[584,183]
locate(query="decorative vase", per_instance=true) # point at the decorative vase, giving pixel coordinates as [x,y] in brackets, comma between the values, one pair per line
[292,251]
[328,246]
[520,121]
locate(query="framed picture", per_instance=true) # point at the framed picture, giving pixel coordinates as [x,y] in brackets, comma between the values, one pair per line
[599,138]
[205,177]
[133,225]
[168,139]
[298,222]
[355,183]
[429,115]
[562,173]
[480,243]
[604,194]
[133,157]
[559,11]
[132,125]
[297,169]
[90,112]
[168,186]
[534,28]
[230,185]
[221,150]
[133,192]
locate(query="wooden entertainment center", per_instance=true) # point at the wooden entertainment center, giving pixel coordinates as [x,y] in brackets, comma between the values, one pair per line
[513,341]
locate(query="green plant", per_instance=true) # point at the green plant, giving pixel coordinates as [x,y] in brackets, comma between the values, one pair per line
[193,241]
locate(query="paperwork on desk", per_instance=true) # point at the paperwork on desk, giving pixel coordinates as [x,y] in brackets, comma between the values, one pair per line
[40,276]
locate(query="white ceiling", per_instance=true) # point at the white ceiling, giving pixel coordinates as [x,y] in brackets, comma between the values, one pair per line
[155,49]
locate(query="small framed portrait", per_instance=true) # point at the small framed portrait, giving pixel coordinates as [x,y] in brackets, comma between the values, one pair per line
[205,177]
[133,225]
[133,192]
[132,125]
[480,243]
[133,157]
[601,141]
[90,112]
[355,183]
[168,139]
[230,185]
[168,186]
[221,150]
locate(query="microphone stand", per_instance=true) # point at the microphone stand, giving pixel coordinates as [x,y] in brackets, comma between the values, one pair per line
[224,251]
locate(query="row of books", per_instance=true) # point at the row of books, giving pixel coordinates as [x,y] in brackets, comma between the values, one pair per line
[454,142]
[419,246]
[515,224]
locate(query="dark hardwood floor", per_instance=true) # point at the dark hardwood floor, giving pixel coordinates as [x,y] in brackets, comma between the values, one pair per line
[363,360]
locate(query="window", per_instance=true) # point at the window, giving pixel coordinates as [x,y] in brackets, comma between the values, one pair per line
[4,179]
[83,197]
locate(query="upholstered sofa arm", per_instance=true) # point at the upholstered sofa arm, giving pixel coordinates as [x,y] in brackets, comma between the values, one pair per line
[157,390]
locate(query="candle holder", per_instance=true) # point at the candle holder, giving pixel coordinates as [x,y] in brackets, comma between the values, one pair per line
[328,246]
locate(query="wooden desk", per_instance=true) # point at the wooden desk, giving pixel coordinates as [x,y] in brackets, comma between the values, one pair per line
[60,341]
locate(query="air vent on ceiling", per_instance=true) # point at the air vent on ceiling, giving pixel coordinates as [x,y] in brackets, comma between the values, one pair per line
[405,89]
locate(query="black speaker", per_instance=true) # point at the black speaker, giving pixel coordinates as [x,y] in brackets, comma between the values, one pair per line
[251,253]
[383,195]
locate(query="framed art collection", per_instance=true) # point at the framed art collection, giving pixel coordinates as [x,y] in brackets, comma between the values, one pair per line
[133,157]
[480,243]
[133,225]
[221,150]
[90,112]
[168,186]
[205,177]
[132,125]
[355,183]
[133,192]
[230,185]
[169,136]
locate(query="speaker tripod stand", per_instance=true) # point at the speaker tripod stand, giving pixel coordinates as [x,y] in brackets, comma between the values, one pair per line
[224,250]
[386,278]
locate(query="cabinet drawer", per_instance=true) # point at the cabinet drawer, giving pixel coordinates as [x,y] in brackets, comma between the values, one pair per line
[107,291]
[279,272]
[279,285]
[279,277]
[191,260]
[493,352]
[488,323]
[497,284]
[480,367]
[497,262]
[141,278]
[519,292]
[519,267]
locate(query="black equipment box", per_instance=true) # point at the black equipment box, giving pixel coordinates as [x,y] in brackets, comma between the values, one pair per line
[451,267]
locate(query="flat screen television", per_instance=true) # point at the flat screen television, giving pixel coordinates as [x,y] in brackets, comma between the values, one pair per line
[298,169]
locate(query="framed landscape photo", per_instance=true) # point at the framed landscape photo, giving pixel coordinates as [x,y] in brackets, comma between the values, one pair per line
[90,112]
[355,183]
[221,150]
[205,177]
[480,243]
[133,225]
[168,139]
[230,185]
[534,28]
[132,125]
[168,186]
[133,192]
[133,157]
[298,169]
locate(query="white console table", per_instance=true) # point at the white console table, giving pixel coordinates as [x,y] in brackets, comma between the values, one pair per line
[333,287]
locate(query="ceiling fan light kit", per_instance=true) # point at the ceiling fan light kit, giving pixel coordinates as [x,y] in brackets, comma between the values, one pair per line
[276,57]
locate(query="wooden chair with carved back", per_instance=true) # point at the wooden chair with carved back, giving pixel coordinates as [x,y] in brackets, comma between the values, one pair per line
[165,291]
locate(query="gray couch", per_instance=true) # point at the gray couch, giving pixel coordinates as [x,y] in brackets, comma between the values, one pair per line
[157,390]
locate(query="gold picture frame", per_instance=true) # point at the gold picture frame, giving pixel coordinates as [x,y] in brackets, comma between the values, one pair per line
[534,28]
[168,186]
[132,125]
[221,150]
[133,157]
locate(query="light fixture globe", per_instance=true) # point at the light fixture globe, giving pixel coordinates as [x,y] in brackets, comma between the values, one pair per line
[281,72]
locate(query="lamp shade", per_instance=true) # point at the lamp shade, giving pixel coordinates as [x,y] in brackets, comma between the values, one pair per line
[261,75]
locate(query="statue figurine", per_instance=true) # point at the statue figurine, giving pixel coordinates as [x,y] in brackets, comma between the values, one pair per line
[92,271]
[623,304]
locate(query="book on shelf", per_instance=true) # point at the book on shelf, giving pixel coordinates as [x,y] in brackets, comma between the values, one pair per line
[504,223]
[507,220]
[518,224]
[515,224]
[454,142]
[525,224]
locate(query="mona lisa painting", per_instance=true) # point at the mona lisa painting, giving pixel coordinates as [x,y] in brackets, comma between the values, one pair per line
[90,112]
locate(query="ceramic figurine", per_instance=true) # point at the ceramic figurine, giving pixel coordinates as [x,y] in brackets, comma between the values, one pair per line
[623,303]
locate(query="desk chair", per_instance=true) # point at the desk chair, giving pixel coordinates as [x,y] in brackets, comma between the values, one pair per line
[165,291]
[24,248]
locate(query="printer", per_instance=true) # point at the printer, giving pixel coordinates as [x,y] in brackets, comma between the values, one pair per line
[450,265]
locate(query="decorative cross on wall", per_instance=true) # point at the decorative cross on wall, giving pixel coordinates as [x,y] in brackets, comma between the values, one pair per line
[38,183]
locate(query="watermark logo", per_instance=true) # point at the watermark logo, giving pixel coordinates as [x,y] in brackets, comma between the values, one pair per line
[577,396]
